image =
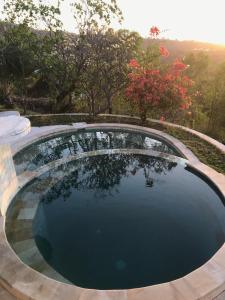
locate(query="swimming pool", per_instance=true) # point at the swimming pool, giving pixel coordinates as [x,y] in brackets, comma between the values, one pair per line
[117,219]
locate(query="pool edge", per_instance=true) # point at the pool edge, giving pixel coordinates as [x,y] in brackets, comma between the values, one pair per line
[207,282]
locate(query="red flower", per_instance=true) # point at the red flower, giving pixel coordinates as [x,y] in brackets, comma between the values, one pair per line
[178,65]
[154,31]
[149,88]
[133,63]
[168,77]
[164,51]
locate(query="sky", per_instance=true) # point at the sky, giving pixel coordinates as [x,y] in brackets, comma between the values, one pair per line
[202,20]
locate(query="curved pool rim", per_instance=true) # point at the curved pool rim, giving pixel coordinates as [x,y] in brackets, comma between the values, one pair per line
[150,153]
[66,129]
[207,281]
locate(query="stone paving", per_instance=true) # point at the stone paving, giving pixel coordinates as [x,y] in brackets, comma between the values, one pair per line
[8,178]
[4,295]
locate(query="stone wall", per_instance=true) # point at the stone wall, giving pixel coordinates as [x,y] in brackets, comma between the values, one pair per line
[8,178]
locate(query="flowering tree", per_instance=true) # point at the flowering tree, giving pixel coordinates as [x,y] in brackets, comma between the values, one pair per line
[156,86]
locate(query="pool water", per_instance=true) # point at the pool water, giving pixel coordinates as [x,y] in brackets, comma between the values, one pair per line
[67,144]
[118,221]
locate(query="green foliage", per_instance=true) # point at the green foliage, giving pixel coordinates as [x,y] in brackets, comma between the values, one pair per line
[19,53]
[105,76]
[51,56]
[208,108]
[150,57]
[18,59]
[206,152]
[198,65]
[89,14]
[32,13]
[216,100]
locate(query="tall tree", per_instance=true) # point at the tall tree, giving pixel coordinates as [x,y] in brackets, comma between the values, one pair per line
[109,53]
[216,100]
[155,86]
[60,58]
[18,59]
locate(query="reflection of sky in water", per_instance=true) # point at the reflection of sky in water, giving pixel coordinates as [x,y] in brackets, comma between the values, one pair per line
[137,220]
[65,145]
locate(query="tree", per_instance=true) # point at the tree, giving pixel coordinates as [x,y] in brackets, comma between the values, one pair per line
[198,70]
[114,71]
[62,67]
[18,59]
[21,45]
[94,14]
[60,59]
[88,14]
[216,100]
[154,87]
[107,67]
[198,65]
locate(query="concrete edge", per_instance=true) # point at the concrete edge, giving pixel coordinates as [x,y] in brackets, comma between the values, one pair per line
[203,136]
[30,139]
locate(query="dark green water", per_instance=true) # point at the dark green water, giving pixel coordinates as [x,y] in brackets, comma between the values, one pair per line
[126,221]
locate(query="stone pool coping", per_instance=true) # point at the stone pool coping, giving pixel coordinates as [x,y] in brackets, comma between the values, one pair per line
[207,282]
[36,136]
[203,136]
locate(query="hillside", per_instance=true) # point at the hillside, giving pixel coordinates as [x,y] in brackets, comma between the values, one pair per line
[181,48]
[176,48]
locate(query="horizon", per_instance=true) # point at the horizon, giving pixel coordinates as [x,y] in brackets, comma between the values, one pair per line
[193,21]
[170,17]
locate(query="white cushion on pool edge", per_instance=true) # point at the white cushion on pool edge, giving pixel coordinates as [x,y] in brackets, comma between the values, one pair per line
[13,125]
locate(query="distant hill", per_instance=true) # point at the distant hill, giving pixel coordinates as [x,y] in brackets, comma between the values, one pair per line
[177,48]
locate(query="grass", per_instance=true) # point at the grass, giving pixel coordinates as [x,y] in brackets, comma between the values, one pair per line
[207,153]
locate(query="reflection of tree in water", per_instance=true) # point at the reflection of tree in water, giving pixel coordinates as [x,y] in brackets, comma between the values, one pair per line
[103,173]
[72,144]
[152,165]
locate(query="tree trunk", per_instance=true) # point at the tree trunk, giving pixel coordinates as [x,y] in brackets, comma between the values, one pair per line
[24,106]
[143,117]
[110,110]
[109,101]
[93,107]
[142,112]
[62,95]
